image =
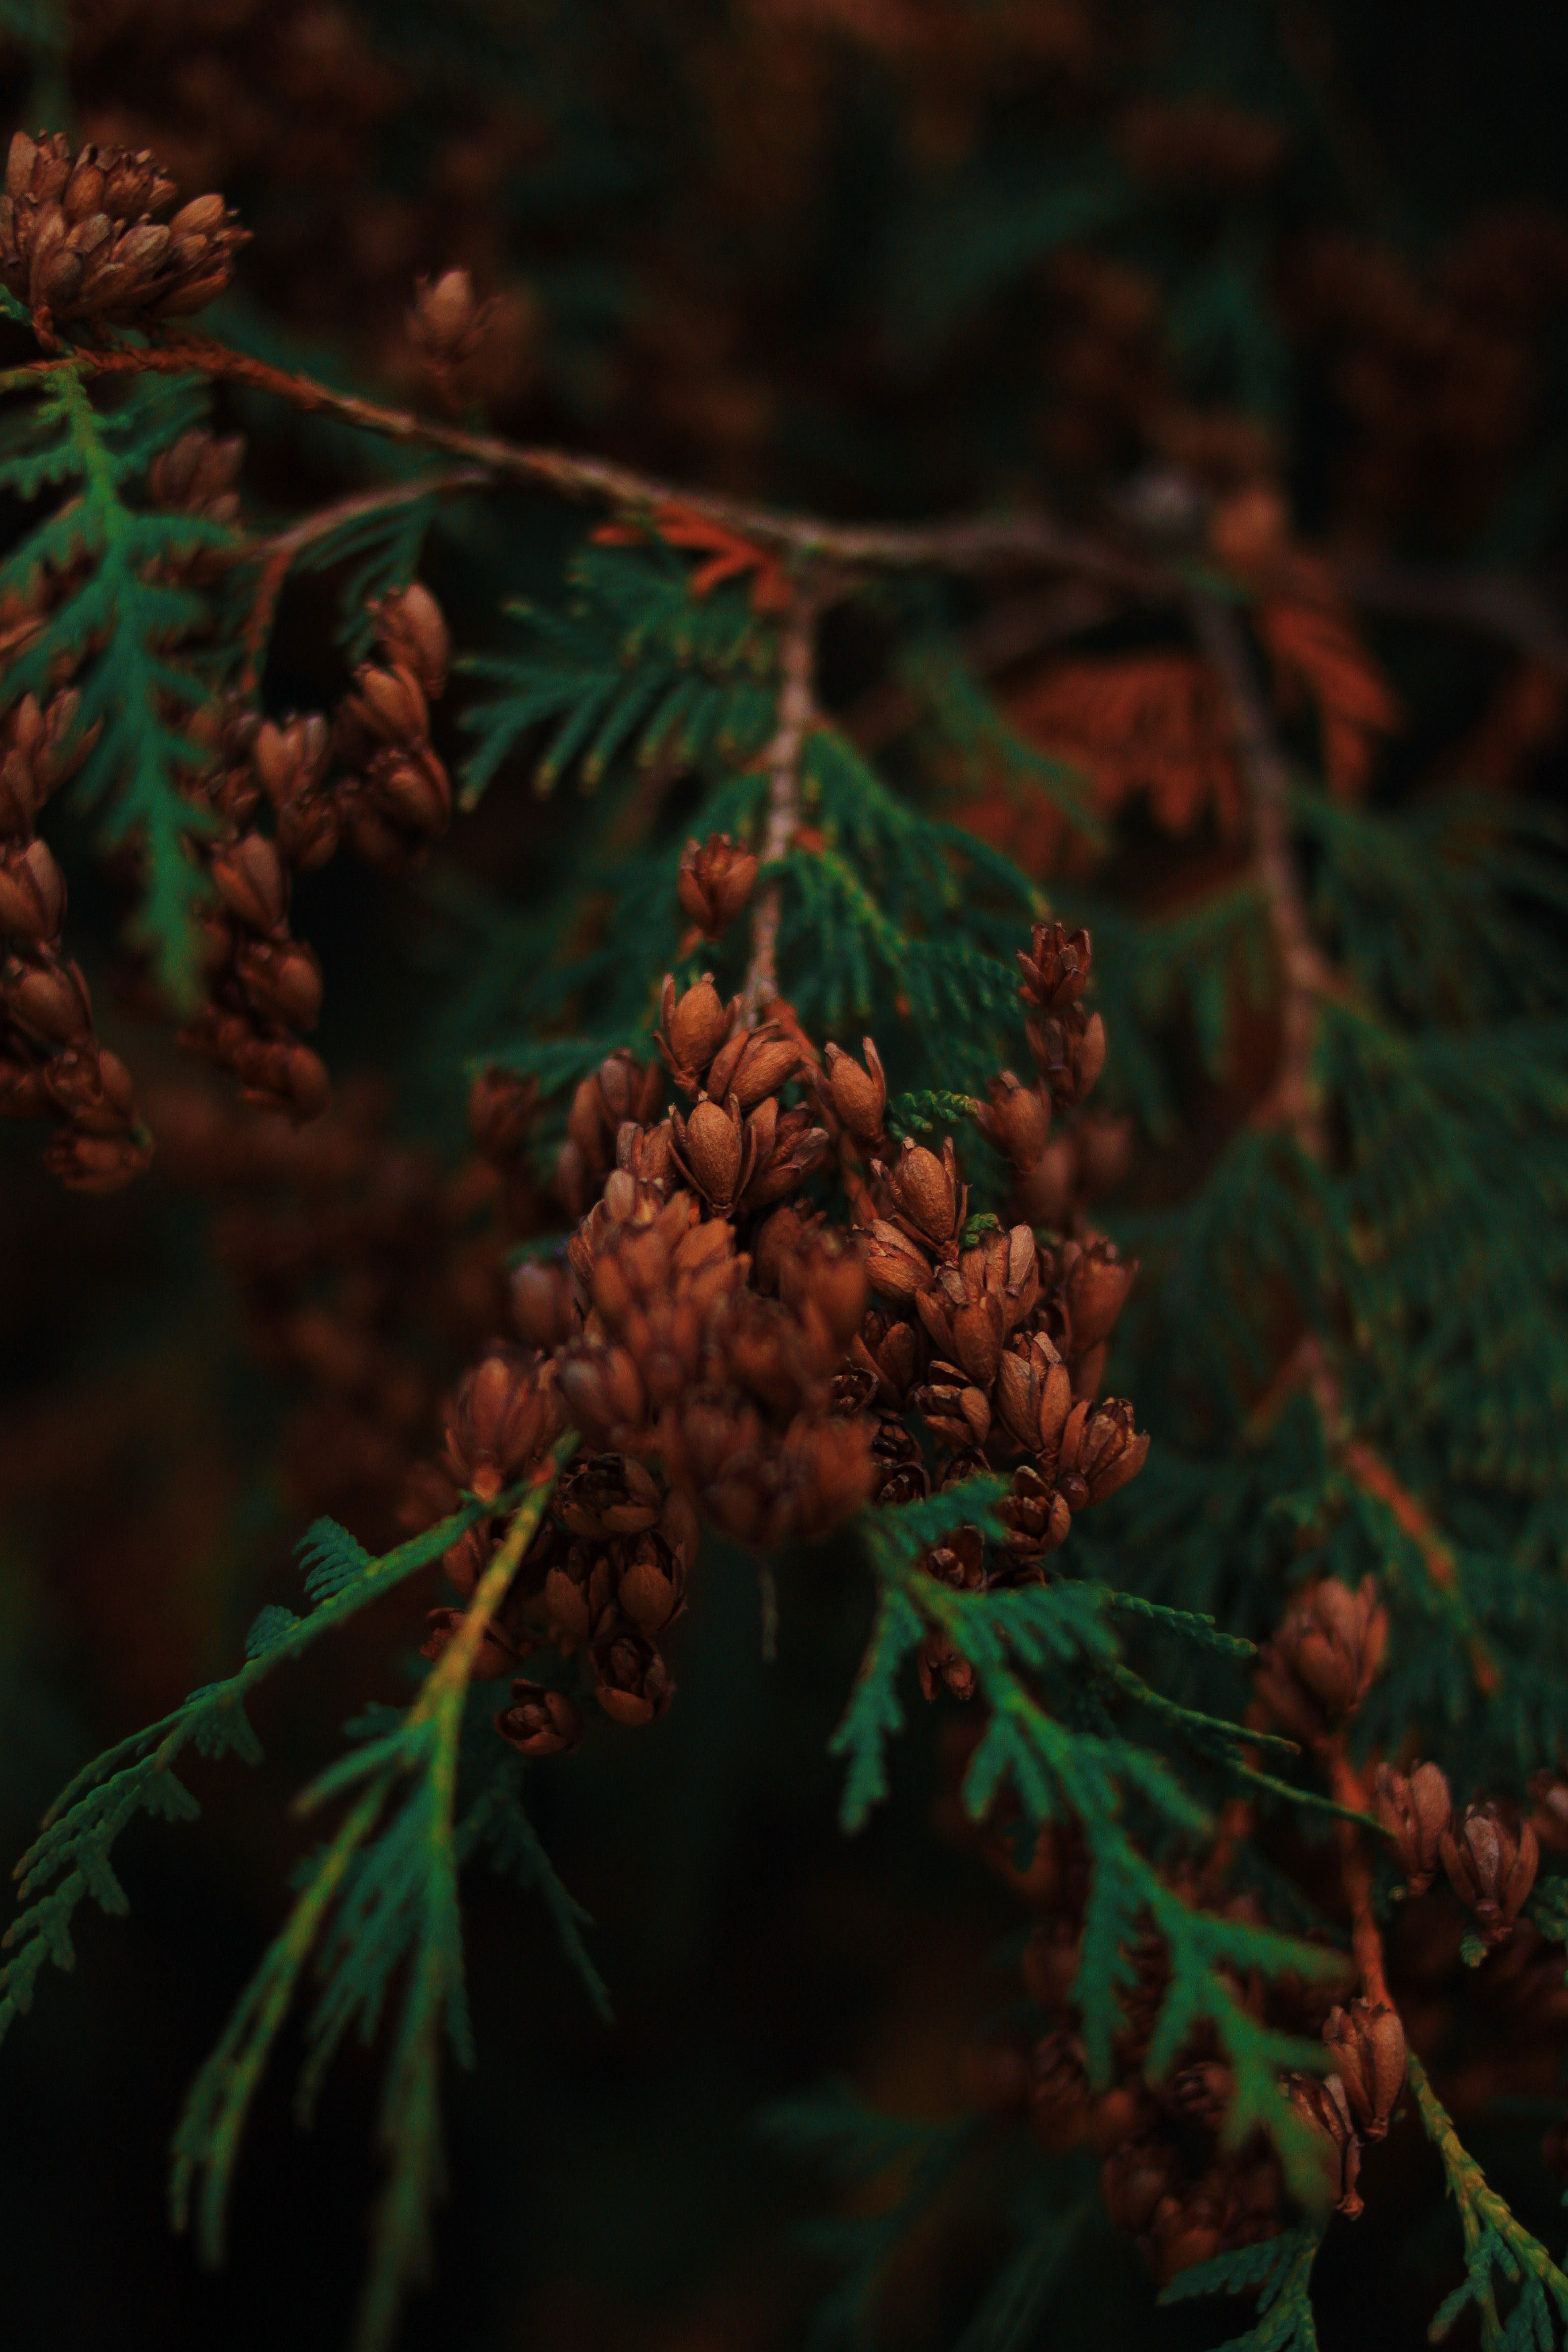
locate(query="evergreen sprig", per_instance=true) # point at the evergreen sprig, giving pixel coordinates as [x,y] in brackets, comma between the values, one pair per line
[1279,2272]
[138,1775]
[122,625]
[1498,2249]
[639,663]
[1017,1639]
[370,1904]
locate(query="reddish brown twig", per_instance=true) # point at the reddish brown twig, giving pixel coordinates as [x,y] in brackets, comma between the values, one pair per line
[278,554]
[795,714]
[1305,977]
[1356,1875]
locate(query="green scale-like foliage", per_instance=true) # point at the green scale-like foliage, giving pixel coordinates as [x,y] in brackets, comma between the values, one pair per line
[123,626]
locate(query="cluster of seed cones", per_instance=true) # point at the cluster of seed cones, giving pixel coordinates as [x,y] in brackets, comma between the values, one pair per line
[81,246]
[734,1357]
[51,1064]
[265,987]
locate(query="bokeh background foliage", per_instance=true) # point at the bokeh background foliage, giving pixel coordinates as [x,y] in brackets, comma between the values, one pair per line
[884,260]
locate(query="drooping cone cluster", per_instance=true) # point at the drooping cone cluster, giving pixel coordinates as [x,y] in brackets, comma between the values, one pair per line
[1169,2178]
[731,1356]
[80,245]
[265,986]
[51,1064]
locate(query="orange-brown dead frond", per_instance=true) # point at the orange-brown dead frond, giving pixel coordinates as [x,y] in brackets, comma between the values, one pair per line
[1317,651]
[729,555]
[1154,723]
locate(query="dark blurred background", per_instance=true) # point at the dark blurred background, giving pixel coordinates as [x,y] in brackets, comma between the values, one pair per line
[884,256]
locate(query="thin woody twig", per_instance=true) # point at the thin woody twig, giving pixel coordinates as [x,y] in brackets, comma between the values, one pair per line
[796,711]
[278,554]
[1374,1476]
[1355,1876]
[1496,604]
[966,542]
[1304,973]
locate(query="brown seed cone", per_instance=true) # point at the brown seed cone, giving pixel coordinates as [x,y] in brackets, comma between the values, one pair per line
[252,881]
[1069,1055]
[753,1065]
[91,1088]
[633,1684]
[713,1150]
[76,242]
[956,1411]
[893,1352]
[605,1495]
[199,475]
[282,979]
[714,883]
[1491,1868]
[412,633]
[896,1266]
[503,1417]
[46,1000]
[926,1197]
[448,320]
[1038,1518]
[1017,1120]
[1202,2092]
[32,893]
[857,1098]
[1367,2044]
[540,1721]
[692,1028]
[899,1473]
[965,1323]
[1094,1285]
[1322,2100]
[959,1561]
[1034,1398]
[1323,1662]
[783,1149]
[1416,1810]
[651,1591]
[290,757]
[1100,1451]
[602,1390]
[1054,973]
[1187,2227]
[544,1305]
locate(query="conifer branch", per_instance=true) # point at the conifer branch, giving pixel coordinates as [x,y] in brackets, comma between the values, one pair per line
[395,1900]
[1494,2240]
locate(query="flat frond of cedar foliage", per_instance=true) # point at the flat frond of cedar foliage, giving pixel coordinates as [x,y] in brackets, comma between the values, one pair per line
[70,1859]
[638,664]
[119,618]
[1024,1644]
[1278,2273]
